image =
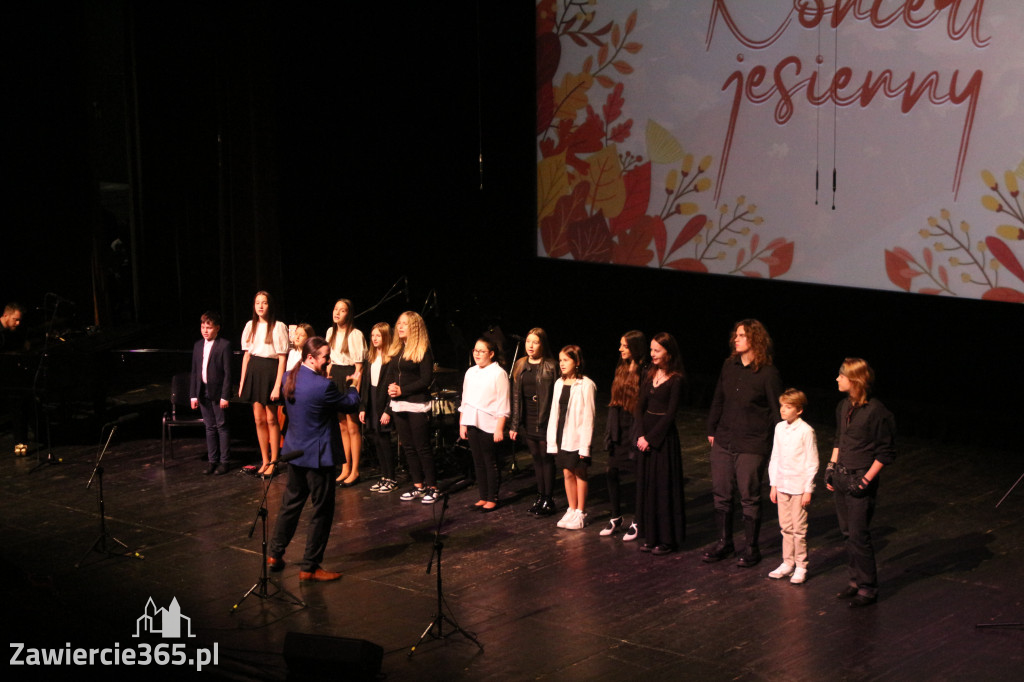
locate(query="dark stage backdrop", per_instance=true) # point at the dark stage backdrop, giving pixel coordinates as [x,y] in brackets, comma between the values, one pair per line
[321,155]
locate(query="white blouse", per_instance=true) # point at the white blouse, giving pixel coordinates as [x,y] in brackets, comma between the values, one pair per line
[356,351]
[259,346]
[484,397]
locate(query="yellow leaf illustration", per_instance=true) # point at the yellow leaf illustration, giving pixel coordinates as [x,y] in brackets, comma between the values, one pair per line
[571,95]
[608,190]
[552,183]
[1010,232]
[662,147]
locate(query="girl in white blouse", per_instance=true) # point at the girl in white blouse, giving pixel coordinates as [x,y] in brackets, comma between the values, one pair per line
[348,353]
[570,432]
[265,343]
[482,419]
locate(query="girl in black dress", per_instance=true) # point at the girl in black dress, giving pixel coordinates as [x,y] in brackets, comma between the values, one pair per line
[619,429]
[660,505]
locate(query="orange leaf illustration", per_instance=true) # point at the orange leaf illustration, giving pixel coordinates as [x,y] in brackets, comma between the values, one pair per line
[689,231]
[1003,254]
[895,267]
[590,239]
[638,194]
[631,248]
[687,264]
[782,259]
[1004,294]
[554,229]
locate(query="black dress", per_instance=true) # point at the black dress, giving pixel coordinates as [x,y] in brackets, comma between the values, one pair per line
[661,514]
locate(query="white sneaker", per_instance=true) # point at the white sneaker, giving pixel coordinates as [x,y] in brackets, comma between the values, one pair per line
[387,486]
[569,513]
[799,575]
[782,571]
[631,533]
[613,526]
[576,522]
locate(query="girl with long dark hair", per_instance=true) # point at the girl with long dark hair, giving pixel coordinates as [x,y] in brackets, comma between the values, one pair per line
[660,505]
[619,427]
[533,379]
[348,352]
[265,346]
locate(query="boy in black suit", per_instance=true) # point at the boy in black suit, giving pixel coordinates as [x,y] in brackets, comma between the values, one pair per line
[210,389]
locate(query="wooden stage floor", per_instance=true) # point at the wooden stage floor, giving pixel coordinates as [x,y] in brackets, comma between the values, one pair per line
[545,603]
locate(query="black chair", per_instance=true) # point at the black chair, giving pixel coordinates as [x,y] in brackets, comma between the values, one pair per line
[181,414]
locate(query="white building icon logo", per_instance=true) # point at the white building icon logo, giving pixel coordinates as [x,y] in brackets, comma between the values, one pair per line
[166,622]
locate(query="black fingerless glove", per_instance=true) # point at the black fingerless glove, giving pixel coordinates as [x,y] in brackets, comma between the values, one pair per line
[859,488]
[830,473]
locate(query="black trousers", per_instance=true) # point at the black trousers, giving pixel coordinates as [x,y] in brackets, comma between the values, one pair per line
[318,486]
[729,471]
[215,418]
[485,461]
[414,433]
[854,514]
[543,465]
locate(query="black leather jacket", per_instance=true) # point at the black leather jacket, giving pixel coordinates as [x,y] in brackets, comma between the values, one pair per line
[546,378]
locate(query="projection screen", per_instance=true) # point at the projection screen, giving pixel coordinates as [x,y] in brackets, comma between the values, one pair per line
[863,143]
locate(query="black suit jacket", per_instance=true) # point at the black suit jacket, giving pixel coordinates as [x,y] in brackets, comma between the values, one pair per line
[218,371]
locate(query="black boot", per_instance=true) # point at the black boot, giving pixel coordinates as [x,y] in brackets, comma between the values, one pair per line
[547,507]
[723,548]
[535,509]
[752,555]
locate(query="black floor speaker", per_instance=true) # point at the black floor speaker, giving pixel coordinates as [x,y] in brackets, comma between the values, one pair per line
[332,658]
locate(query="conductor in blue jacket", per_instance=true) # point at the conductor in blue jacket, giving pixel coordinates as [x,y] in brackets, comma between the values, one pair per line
[312,402]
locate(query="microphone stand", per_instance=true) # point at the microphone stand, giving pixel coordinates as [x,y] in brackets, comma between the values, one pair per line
[100,544]
[260,588]
[37,399]
[391,294]
[440,618]
[515,356]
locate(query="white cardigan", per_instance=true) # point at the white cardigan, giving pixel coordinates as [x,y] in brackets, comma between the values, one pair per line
[579,418]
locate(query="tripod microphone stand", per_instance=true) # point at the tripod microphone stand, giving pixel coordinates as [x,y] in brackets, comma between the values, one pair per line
[440,618]
[260,588]
[100,544]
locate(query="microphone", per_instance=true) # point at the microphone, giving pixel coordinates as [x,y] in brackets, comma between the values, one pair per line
[456,487]
[61,299]
[516,337]
[405,289]
[289,456]
[123,419]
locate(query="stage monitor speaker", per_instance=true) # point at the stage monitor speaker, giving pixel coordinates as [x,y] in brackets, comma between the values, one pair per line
[332,658]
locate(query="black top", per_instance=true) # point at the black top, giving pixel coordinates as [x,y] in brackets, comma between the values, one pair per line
[745,408]
[864,434]
[656,408]
[414,378]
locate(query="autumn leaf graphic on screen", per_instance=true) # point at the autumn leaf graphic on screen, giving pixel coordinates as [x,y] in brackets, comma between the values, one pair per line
[960,259]
[596,199]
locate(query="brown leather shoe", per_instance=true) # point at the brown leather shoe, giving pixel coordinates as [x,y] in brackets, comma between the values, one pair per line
[275,564]
[319,576]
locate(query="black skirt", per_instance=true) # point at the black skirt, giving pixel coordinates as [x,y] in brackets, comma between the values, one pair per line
[341,372]
[260,375]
